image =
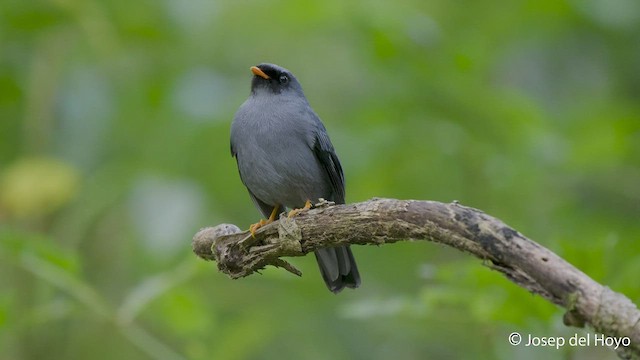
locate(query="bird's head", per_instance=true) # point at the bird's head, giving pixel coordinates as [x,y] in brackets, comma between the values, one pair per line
[273,79]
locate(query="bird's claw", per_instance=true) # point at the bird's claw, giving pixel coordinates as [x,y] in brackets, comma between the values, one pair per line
[254,227]
[295,212]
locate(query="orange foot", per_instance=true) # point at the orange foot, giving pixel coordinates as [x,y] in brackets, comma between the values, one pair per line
[254,227]
[295,212]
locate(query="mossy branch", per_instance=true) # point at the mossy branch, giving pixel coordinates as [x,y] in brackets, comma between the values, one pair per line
[383,221]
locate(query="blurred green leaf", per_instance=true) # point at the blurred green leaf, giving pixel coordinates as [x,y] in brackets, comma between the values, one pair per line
[15,245]
[151,288]
[37,186]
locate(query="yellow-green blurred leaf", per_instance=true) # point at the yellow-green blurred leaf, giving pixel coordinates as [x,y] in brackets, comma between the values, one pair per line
[37,186]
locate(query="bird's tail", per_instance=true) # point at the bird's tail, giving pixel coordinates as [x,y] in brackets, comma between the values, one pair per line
[338,268]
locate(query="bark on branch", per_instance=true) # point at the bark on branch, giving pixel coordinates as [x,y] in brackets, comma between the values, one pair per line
[383,221]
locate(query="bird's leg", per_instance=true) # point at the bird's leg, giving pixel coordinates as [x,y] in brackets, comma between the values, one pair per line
[295,212]
[254,227]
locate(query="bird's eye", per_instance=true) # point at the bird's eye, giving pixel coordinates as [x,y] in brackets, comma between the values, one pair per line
[284,79]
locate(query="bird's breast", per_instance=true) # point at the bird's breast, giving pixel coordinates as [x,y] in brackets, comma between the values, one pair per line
[276,161]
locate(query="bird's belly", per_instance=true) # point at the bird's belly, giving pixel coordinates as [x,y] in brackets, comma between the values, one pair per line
[286,179]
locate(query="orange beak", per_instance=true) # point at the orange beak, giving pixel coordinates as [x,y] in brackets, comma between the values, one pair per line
[256,71]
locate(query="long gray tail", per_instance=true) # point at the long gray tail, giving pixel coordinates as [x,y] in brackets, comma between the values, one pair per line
[338,268]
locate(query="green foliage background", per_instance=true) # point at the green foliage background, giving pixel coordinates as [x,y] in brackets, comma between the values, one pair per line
[114,126]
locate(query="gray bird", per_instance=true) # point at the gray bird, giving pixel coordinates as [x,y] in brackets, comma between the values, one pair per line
[286,160]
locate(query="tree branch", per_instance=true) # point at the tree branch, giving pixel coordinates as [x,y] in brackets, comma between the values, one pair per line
[384,221]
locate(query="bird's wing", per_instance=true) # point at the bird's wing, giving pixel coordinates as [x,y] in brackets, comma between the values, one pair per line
[265,208]
[326,155]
